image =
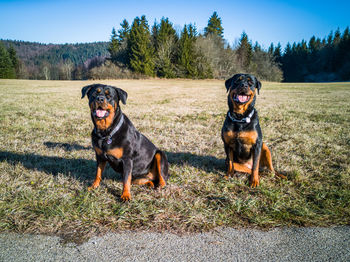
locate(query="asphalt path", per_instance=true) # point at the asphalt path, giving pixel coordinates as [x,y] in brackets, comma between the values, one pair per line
[224,244]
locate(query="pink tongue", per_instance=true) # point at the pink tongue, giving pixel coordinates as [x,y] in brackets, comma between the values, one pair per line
[100,113]
[243,98]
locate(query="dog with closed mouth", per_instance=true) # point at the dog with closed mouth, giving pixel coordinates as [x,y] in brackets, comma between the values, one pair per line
[117,142]
[241,133]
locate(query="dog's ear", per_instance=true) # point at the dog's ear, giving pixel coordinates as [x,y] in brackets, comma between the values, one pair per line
[229,82]
[122,95]
[257,85]
[86,90]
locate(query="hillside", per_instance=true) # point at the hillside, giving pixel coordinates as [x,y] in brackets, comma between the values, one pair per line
[55,57]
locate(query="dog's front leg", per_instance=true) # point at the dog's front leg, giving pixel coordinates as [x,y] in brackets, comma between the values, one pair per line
[127,175]
[254,178]
[229,161]
[99,170]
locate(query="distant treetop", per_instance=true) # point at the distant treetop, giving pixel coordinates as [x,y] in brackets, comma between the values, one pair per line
[214,26]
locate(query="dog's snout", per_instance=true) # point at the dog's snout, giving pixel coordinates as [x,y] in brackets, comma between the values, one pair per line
[244,85]
[100,99]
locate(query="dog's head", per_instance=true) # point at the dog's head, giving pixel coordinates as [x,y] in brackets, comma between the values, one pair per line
[104,103]
[242,90]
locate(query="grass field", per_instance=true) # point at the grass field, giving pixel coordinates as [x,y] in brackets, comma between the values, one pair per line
[47,163]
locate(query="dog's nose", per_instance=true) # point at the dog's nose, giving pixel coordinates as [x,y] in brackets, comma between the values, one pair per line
[100,99]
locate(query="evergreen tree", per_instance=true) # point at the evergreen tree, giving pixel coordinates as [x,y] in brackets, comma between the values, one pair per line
[186,51]
[277,54]
[113,47]
[244,51]
[123,35]
[14,59]
[124,32]
[165,40]
[271,49]
[6,67]
[141,51]
[118,45]
[214,26]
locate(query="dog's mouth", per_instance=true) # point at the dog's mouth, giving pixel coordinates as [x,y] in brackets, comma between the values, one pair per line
[101,113]
[241,98]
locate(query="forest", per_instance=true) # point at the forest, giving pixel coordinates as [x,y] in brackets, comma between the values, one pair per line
[138,50]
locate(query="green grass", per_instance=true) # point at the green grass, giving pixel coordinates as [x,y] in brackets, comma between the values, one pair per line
[47,163]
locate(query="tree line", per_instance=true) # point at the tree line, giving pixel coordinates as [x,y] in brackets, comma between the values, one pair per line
[163,52]
[53,61]
[322,60]
[137,50]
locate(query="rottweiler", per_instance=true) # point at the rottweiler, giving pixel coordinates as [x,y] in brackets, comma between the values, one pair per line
[241,132]
[117,142]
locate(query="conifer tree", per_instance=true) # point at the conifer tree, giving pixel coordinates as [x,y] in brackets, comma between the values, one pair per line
[186,51]
[165,40]
[6,67]
[214,26]
[123,33]
[244,51]
[141,51]
[14,59]
[118,46]
[113,47]
[277,53]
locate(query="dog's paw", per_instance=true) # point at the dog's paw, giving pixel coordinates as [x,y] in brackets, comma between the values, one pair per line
[149,184]
[92,187]
[125,197]
[254,182]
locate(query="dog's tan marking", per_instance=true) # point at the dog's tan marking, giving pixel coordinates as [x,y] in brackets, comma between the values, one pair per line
[116,152]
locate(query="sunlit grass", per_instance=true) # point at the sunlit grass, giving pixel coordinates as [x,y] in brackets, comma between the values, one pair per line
[46,161]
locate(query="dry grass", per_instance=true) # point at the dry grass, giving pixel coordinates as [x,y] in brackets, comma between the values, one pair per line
[46,161]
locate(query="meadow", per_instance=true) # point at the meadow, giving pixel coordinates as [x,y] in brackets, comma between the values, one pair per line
[47,163]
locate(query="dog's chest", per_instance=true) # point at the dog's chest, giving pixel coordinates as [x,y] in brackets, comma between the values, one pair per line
[107,151]
[246,139]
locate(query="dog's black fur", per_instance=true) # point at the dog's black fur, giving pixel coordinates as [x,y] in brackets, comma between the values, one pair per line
[128,151]
[243,142]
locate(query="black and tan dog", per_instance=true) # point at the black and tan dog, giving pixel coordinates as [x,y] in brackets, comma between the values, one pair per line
[241,133]
[116,141]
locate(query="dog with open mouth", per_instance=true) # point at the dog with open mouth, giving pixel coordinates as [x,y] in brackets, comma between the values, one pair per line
[117,142]
[241,133]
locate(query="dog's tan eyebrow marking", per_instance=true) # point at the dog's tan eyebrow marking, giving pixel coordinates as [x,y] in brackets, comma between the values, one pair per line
[107,92]
[98,90]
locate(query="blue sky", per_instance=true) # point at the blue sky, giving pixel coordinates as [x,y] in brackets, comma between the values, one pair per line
[70,21]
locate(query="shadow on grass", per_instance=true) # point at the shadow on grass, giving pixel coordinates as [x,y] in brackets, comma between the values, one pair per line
[66,146]
[206,163]
[79,169]
[83,170]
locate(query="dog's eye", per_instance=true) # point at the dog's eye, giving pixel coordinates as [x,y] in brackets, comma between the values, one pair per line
[108,96]
[98,90]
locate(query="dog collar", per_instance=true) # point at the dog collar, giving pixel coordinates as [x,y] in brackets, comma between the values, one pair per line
[109,137]
[243,120]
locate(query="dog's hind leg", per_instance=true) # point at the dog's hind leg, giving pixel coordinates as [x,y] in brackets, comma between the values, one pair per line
[161,168]
[266,160]
[143,181]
